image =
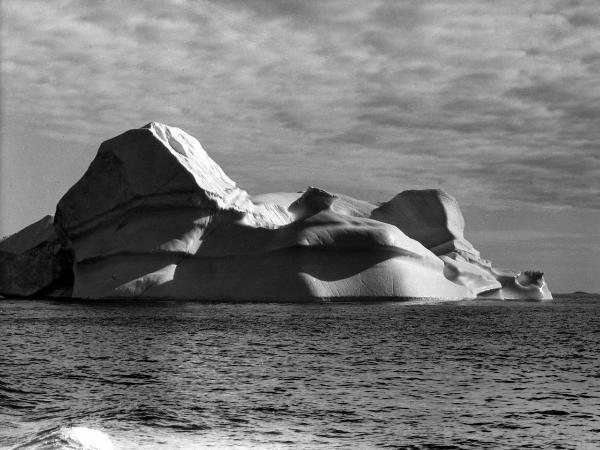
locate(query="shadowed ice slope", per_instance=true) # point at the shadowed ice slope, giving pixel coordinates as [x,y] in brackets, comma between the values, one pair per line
[33,260]
[154,216]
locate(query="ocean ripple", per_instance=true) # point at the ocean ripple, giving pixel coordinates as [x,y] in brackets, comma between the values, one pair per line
[466,375]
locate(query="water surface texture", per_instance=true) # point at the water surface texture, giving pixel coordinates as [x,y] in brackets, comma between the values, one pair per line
[131,375]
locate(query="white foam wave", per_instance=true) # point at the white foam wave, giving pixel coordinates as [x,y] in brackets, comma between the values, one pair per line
[84,438]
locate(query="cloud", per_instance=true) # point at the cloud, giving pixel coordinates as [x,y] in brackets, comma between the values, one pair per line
[583,19]
[359,137]
[496,102]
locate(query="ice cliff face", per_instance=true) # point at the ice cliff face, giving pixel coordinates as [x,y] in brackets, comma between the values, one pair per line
[155,217]
[34,261]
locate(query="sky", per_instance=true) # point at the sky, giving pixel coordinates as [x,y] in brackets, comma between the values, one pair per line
[496,102]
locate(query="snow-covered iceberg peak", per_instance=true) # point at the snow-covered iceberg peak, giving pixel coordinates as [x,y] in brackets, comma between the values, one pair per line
[154,167]
[207,174]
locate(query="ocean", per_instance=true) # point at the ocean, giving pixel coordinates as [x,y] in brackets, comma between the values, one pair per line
[183,375]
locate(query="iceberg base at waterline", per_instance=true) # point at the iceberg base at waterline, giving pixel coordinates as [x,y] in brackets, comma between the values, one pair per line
[155,217]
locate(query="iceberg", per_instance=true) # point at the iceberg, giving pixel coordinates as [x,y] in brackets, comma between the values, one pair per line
[155,217]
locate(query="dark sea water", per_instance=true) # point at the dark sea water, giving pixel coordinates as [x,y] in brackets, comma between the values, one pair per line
[471,374]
